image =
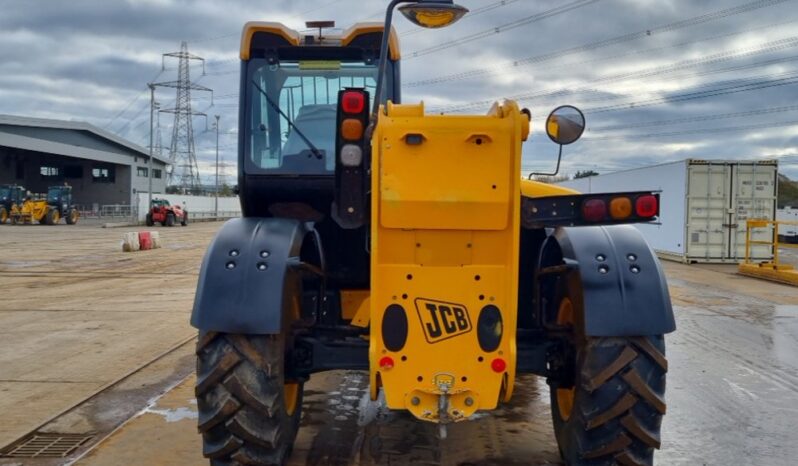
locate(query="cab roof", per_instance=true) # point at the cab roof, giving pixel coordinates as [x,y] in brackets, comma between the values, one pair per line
[291,37]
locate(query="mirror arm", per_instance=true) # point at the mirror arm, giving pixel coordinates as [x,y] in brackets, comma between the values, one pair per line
[386,33]
[556,170]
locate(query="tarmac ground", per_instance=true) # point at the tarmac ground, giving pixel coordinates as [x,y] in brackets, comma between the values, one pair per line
[97,359]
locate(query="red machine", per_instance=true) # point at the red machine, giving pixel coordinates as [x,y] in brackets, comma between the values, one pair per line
[166,214]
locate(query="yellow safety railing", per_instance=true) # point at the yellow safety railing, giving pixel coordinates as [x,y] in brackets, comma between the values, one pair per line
[774,242]
[769,270]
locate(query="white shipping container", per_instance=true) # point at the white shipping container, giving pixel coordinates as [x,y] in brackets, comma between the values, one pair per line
[704,205]
[788,233]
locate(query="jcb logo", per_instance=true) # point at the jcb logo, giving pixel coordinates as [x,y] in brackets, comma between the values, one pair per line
[441,320]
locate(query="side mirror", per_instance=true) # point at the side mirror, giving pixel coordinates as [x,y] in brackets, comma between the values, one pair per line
[565,125]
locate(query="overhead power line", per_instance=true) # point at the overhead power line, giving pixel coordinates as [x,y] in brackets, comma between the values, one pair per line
[504,27]
[788,79]
[767,47]
[685,23]
[132,101]
[695,119]
[697,131]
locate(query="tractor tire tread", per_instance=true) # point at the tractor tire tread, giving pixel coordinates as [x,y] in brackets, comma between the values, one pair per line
[634,427]
[225,408]
[267,404]
[656,355]
[626,459]
[240,400]
[222,448]
[644,391]
[618,407]
[628,355]
[618,445]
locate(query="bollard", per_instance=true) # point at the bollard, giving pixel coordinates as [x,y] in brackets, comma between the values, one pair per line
[145,240]
[130,242]
[156,239]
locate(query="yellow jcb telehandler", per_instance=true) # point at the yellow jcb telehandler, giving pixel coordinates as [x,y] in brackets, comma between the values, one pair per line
[378,237]
[47,211]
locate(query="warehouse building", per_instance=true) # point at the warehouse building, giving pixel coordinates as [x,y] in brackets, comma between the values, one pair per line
[102,168]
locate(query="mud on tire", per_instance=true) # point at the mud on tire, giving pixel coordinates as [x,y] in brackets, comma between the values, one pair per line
[241,398]
[618,402]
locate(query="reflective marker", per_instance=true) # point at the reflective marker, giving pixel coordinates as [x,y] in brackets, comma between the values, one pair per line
[351,129]
[646,205]
[594,210]
[620,208]
[386,363]
[351,155]
[498,365]
[353,102]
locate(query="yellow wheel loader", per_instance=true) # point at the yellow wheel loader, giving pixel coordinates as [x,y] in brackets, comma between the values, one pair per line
[378,237]
[47,211]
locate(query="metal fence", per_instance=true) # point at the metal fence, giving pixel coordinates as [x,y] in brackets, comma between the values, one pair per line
[126,212]
[109,211]
[223,215]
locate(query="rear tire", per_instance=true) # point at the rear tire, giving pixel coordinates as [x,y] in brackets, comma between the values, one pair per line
[616,404]
[170,219]
[51,218]
[184,222]
[247,414]
[148,220]
[72,216]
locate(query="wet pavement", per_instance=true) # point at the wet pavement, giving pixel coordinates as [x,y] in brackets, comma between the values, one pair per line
[732,393]
[732,388]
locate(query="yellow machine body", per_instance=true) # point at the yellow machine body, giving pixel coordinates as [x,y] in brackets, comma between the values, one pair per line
[30,211]
[445,244]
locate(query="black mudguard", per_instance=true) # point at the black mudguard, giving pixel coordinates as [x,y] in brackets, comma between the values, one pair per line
[625,294]
[235,292]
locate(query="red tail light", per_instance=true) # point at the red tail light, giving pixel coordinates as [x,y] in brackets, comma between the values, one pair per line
[386,363]
[594,210]
[646,206]
[498,365]
[353,102]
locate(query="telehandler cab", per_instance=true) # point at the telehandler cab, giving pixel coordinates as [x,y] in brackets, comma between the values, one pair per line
[376,237]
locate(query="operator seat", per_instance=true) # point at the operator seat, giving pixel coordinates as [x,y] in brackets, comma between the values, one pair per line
[317,123]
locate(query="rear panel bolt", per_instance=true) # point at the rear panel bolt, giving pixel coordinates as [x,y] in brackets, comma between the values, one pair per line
[469,401]
[631,257]
[601,257]
[415,401]
[262,266]
[634,269]
[603,269]
[264,254]
[233,252]
[230,265]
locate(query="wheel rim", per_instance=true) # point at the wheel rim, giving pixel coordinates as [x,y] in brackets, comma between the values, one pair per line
[73,216]
[291,394]
[291,390]
[56,217]
[565,396]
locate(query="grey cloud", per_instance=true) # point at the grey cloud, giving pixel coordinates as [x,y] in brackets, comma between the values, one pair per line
[88,59]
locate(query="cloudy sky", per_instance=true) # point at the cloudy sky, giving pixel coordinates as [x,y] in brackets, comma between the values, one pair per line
[659,80]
